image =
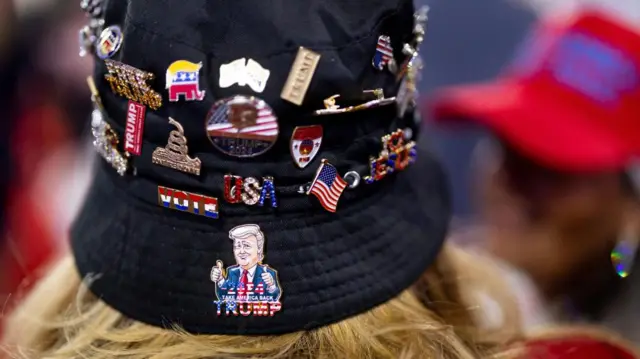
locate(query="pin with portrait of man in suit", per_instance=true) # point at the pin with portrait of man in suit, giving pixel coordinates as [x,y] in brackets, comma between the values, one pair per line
[249,287]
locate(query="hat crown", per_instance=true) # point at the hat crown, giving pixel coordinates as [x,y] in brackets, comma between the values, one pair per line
[248,48]
[589,60]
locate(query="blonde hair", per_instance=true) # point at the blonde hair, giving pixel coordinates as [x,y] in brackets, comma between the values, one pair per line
[62,319]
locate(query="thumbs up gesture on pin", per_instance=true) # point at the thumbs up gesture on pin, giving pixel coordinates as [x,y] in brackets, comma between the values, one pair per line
[269,281]
[216,273]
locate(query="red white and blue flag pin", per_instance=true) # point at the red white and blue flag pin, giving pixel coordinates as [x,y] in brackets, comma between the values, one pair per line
[327,186]
[305,144]
[109,42]
[242,126]
[384,55]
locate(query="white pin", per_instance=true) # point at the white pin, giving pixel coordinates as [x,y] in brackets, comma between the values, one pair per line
[232,73]
[244,72]
[257,76]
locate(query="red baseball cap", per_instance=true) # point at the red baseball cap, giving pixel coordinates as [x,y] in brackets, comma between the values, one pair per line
[570,100]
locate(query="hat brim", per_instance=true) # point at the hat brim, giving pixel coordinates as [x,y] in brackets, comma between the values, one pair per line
[546,129]
[363,255]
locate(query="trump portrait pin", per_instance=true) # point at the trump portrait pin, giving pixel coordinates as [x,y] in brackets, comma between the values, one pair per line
[249,287]
[242,126]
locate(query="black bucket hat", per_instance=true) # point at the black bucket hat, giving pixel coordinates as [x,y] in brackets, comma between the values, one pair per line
[169,246]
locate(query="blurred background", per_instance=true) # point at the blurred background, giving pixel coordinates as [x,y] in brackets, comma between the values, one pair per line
[44,150]
[46,154]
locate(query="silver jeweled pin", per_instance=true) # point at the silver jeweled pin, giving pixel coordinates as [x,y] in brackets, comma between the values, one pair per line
[88,35]
[105,139]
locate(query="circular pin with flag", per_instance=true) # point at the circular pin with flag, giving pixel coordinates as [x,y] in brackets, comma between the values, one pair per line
[109,42]
[242,126]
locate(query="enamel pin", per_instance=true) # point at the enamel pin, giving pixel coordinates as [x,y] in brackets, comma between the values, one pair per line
[383,56]
[105,138]
[327,186]
[249,287]
[175,154]
[300,76]
[183,78]
[242,126]
[332,109]
[134,128]
[305,144]
[244,72]
[396,155]
[131,83]
[249,191]
[188,202]
[109,42]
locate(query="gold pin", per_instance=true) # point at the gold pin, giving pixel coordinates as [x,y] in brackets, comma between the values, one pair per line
[95,95]
[300,76]
[331,108]
[129,82]
[175,154]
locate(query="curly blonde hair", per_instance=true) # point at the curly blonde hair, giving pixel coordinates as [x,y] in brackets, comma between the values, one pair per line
[62,319]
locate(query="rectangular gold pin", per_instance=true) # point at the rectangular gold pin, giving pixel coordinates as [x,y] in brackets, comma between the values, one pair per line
[300,76]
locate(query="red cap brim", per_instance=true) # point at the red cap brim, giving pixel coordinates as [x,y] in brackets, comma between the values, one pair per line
[552,132]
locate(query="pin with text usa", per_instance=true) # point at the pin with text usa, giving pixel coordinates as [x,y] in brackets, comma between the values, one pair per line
[188,202]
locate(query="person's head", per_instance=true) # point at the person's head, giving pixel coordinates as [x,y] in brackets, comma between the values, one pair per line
[61,318]
[349,234]
[559,194]
[558,226]
[248,245]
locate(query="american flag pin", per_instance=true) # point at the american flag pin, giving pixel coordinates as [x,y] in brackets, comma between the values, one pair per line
[327,186]
[242,126]
[384,53]
[109,42]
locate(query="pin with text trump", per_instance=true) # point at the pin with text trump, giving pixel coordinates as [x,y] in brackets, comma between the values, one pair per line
[300,76]
[188,202]
[249,287]
[135,126]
